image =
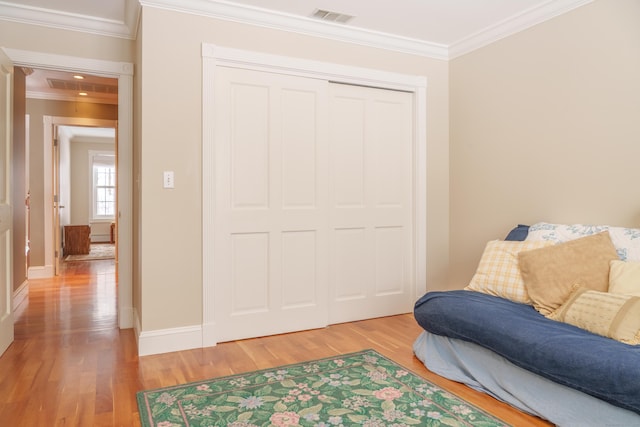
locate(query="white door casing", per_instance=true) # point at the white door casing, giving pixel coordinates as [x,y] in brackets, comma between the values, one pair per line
[214,58]
[6,245]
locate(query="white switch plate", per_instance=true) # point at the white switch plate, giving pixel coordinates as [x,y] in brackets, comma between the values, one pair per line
[168,179]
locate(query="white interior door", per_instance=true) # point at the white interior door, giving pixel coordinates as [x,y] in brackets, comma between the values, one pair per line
[371,237]
[270,220]
[6,246]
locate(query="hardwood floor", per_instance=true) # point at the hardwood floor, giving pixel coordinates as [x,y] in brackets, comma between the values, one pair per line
[71,366]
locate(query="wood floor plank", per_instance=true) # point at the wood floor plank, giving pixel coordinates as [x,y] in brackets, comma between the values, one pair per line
[71,366]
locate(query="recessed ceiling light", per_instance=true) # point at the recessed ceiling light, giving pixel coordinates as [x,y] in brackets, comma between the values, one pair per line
[78,77]
[82,93]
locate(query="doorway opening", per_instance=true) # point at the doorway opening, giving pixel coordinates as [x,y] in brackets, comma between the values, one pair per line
[73,175]
[122,72]
[85,170]
[84,187]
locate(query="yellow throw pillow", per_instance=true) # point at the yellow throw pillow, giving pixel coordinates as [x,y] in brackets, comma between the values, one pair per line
[615,316]
[550,273]
[498,273]
[624,277]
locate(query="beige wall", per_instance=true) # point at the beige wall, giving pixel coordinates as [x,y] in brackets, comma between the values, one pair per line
[170,125]
[545,126]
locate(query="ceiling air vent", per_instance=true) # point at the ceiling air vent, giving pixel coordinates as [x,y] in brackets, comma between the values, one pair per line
[327,15]
[82,86]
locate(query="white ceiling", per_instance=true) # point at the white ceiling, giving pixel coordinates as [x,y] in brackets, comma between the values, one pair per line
[442,22]
[438,28]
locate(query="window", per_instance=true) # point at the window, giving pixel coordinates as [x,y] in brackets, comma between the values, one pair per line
[104,186]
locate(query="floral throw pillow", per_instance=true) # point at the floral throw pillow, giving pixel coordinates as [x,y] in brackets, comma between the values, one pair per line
[626,240]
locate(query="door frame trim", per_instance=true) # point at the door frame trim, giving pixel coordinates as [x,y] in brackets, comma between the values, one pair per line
[214,56]
[123,71]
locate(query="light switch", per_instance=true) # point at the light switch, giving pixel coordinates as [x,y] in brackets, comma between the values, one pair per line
[168,179]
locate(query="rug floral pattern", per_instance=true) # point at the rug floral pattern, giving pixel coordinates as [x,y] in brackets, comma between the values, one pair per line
[363,389]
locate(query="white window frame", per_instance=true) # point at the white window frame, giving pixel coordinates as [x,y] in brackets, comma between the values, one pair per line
[106,158]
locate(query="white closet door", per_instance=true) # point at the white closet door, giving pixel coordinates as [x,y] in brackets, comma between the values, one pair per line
[371,245]
[271,211]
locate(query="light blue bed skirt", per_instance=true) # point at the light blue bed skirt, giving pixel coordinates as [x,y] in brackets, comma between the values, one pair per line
[490,373]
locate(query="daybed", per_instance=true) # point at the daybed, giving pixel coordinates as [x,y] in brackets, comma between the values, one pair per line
[550,323]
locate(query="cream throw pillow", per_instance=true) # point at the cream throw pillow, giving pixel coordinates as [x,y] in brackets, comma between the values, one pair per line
[550,273]
[498,273]
[615,316]
[624,277]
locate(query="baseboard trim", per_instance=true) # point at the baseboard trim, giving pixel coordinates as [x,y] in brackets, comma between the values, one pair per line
[40,272]
[20,294]
[136,326]
[168,340]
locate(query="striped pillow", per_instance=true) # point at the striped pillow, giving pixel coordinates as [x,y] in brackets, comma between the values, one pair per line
[615,316]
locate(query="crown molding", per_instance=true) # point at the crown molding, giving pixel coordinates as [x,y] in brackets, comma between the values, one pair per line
[277,20]
[127,28]
[513,25]
[302,25]
[221,9]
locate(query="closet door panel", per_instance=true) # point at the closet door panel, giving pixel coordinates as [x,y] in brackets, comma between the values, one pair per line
[270,221]
[371,140]
[348,151]
[249,143]
[299,149]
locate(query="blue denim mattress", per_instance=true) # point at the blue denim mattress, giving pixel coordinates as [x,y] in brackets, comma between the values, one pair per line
[595,365]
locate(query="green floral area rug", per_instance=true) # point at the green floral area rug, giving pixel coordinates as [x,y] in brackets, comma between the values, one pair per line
[357,389]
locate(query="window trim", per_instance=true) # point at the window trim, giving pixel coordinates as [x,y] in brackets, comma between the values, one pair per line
[96,157]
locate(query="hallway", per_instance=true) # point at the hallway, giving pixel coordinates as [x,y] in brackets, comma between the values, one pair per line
[81,299]
[69,360]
